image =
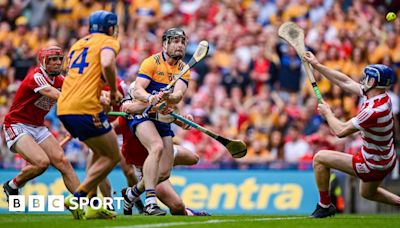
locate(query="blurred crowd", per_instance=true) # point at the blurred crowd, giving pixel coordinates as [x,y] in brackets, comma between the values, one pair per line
[251,86]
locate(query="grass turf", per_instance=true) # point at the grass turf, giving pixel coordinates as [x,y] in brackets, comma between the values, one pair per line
[63,220]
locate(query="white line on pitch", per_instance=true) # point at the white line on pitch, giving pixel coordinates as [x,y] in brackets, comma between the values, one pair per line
[214,221]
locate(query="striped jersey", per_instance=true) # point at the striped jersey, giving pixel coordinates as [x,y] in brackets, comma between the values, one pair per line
[376,124]
[29,106]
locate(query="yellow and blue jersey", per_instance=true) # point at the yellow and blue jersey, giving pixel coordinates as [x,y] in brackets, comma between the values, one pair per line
[156,69]
[82,86]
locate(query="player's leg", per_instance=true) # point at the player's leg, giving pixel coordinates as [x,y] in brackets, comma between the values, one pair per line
[167,159]
[184,156]
[105,187]
[34,155]
[57,158]
[373,191]
[132,180]
[151,140]
[324,160]
[128,172]
[105,149]
[105,157]
[167,195]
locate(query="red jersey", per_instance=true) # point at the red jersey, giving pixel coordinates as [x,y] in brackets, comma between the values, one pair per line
[132,149]
[376,123]
[29,106]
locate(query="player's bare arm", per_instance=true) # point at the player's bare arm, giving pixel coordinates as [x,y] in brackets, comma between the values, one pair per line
[108,68]
[135,107]
[50,92]
[338,78]
[176,96]
[142,95]
[340,128]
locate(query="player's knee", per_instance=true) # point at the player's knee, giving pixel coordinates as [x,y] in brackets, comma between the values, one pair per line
[319,157]
[41,165]
[367,194]
[156,150]
[194,159]
[62,161]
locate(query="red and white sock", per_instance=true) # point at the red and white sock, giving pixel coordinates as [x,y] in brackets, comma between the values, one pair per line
[13,184]
[324,199]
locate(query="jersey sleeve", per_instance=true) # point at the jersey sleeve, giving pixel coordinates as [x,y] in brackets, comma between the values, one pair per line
[38,82]
[186,78]
[147,69]
[365,119]
[112,44]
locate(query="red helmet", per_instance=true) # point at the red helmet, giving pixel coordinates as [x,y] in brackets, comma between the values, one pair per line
[55,54]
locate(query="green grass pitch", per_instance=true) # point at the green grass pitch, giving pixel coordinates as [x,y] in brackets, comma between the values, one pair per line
[63,220]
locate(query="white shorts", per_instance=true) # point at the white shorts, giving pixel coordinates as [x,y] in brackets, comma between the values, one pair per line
[120,141]
[14,132]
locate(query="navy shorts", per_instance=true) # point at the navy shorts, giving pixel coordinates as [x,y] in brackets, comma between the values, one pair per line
[164,129]
[86,126]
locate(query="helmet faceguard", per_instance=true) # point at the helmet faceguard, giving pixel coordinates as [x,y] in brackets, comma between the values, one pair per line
[51,60]
[101,21]
[171,40]
[382,75]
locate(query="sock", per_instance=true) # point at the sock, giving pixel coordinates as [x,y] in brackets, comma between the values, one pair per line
[92,193]
[150,197]
[13,184]
[80,194]
[324,199]
[133,192]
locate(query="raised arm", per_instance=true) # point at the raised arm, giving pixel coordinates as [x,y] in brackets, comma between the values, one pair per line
[336,77]
[340,129]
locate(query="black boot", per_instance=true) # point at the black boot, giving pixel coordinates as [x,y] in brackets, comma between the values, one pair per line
[321,212]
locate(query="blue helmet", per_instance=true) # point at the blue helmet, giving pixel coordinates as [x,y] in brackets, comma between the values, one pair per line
[384,76]
[100,21]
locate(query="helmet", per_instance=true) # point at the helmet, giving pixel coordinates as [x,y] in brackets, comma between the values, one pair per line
[384,76]
[44,56]
[100,21]
[173,32]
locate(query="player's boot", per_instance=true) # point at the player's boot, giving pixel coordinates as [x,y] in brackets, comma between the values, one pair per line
[321,212]
[154,209]
[197,213]
[9,191]
[128,203]
[101,213]
[77,213]
[139,205]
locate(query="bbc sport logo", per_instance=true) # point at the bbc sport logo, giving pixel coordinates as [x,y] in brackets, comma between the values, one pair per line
[55,203]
